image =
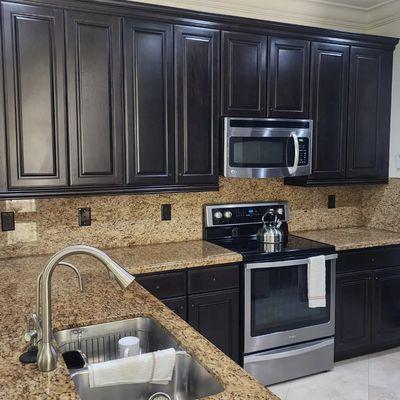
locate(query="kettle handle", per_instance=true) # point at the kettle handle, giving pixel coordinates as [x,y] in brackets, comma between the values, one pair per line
[266,213]
[277,222]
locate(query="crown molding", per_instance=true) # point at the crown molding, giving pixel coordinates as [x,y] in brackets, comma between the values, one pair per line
[299,12]
[318,13]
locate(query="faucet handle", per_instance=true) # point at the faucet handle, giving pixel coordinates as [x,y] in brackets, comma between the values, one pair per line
[30,335]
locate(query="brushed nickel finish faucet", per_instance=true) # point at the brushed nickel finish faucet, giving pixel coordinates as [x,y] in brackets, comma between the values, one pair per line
[47,355]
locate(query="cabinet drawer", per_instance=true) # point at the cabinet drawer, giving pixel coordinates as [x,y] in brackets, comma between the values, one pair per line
[372,258]
[210,279]
[171,284]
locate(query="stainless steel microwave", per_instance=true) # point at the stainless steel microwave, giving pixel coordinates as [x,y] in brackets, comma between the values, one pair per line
[267,148]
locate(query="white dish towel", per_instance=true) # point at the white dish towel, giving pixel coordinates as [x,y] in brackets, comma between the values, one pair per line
[156,367]
[316,282]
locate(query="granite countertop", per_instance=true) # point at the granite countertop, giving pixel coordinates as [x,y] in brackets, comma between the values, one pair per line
[102,301]
[352,238]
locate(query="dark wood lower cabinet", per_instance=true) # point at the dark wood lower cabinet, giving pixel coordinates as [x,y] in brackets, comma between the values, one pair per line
[386,307]
[207,298]
[353,314]
[178,305]
[367,301]
[216,316]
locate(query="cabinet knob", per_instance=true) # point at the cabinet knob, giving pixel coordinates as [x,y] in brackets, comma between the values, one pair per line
[158,287]
[214,279]
[373,259]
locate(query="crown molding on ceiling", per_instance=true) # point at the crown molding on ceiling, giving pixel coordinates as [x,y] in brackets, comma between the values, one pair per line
[339,4]
[318,13]
[383,15]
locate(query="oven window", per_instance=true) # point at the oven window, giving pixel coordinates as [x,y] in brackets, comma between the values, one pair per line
[261,152]
[279,300]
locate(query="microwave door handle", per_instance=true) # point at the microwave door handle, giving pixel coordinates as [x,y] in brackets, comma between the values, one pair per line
[292,170]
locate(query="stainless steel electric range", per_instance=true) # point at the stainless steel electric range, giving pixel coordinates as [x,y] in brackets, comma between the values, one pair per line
[283,337]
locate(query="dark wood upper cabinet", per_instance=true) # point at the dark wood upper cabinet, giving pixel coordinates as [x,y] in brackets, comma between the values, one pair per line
[197,109]
[244,74]
[33,40]
[94,68]
[149,102]
[329,89]
[369,113]
[288,78]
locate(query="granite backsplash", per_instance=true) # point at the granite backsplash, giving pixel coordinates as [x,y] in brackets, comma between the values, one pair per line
[47,225]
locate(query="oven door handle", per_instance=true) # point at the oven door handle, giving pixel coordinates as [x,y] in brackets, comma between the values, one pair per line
[256,358]
[288,263]
[292,170]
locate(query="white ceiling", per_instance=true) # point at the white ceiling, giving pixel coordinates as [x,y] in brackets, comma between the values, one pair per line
[359,4]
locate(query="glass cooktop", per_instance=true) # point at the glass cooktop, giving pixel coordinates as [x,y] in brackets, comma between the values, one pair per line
[293,247]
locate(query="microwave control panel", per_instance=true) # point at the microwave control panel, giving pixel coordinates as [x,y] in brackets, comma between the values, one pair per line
[303,151]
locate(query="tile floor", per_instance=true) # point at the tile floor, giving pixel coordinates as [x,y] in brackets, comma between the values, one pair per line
[372,377]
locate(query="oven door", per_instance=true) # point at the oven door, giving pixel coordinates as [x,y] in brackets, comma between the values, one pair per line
[276,305]
[264,152]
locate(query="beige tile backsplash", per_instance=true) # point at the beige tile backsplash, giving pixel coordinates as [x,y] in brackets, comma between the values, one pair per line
[46,225]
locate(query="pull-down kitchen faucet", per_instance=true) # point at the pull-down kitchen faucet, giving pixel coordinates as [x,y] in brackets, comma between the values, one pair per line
[47,355]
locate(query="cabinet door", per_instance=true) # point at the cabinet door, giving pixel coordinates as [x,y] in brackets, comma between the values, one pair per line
[178,305]
[369,113]
[329,89]
[244,74]
[95,99]
[288,78]
[353,314]
[149,102]
[386,307]
[197,87]
[216,316]
[36,113]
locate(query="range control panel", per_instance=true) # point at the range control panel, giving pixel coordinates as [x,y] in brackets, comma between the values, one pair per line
[238,214]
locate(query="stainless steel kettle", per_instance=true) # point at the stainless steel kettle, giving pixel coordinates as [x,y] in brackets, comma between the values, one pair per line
[270,232]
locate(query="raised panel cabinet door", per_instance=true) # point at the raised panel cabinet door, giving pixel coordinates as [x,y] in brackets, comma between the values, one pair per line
[353,314]
[216,316]
[369,113]
[244,74]
[94,71]
[149,102]
[197,88]
[178,305]
[329,100]
[386,307]
[288,78]
[34,71]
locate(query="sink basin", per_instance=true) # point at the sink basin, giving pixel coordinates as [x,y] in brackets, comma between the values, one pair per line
[100,343]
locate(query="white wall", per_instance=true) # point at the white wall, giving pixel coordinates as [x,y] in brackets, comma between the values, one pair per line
[393,29]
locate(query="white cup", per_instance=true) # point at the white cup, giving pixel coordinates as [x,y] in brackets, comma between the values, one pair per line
[128,346]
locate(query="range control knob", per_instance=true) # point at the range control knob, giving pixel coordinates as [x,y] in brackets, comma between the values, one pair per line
[228,214]
[218,215]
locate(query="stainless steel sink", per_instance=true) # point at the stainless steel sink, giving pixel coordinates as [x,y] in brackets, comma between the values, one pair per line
[99,343]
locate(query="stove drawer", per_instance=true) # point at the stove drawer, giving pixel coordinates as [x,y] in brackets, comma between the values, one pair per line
[211,279]
[290,362]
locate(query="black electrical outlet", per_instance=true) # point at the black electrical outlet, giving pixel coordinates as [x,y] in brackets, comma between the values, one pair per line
[166,212]
[331,201]
[7,221]
[84,216]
